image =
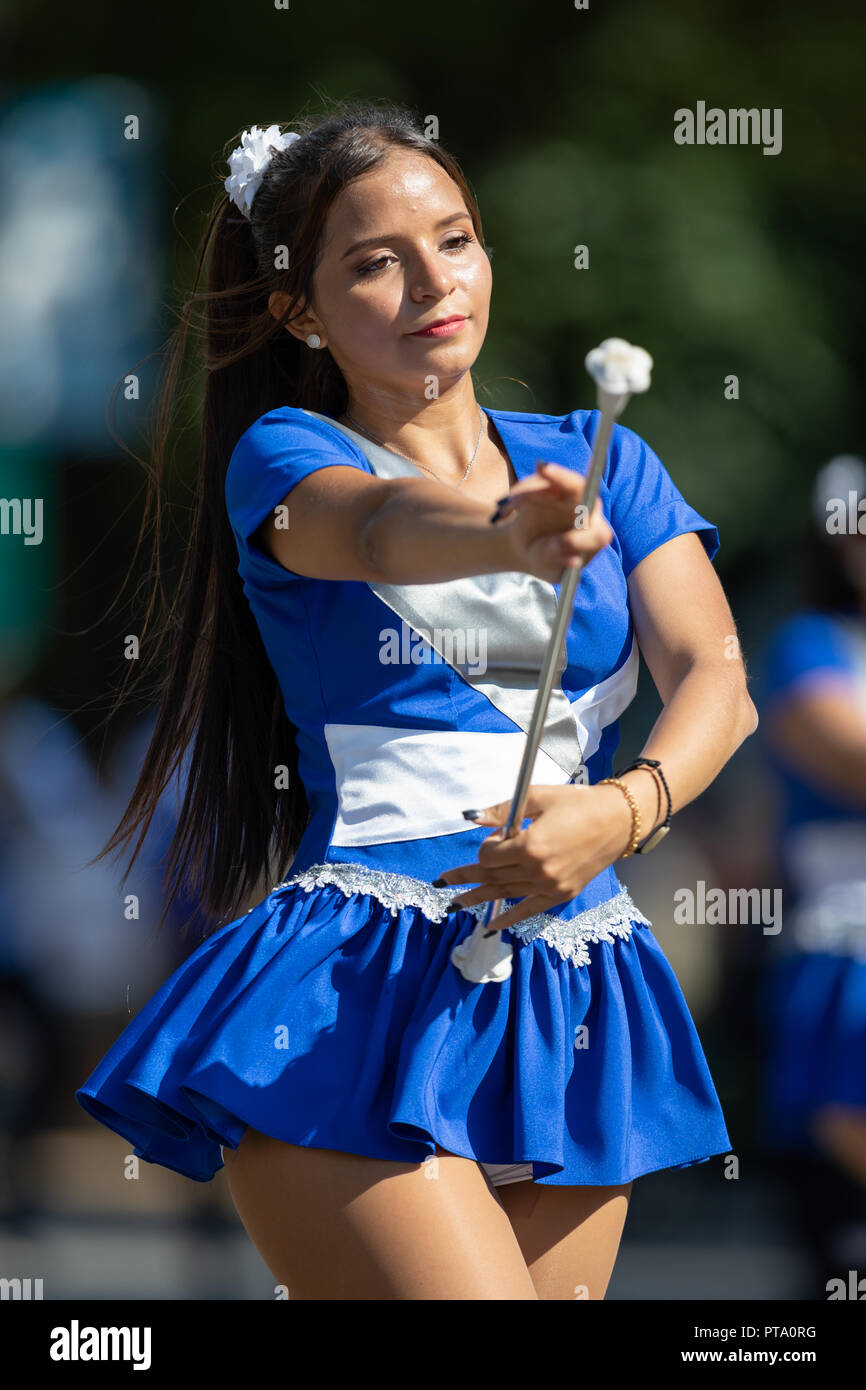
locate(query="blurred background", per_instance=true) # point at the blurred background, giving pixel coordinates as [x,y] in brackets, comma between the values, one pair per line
[723,261]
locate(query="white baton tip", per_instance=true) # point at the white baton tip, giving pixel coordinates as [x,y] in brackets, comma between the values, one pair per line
[619,367]
[483,959]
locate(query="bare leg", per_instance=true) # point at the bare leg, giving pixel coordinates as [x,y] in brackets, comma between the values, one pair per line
[569,1235]
[332,1225]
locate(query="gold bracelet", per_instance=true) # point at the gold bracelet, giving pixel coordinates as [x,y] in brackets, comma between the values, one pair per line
[635,813]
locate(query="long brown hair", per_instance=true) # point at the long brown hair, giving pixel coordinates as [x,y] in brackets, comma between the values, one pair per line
[221,720]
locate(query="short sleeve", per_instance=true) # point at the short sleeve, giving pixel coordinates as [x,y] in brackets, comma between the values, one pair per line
[806,651]
[645,506]
[270,457]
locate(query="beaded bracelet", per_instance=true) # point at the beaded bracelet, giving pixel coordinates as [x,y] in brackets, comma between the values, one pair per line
[635,813]
[650,841]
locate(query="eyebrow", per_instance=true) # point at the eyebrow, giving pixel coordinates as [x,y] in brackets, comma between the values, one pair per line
[393,236]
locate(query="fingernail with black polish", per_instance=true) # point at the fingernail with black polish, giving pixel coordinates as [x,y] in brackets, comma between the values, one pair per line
[472,815]
[454,907]
[439,883]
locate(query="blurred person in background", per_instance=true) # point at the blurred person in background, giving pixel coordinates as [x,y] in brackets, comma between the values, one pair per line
[62,990]
[813,1001]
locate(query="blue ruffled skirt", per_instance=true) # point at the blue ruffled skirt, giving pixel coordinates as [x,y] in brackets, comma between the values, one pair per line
[327,1017]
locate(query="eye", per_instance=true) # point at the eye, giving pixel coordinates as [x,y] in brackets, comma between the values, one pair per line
[457,242]
[462,239]
[374,267]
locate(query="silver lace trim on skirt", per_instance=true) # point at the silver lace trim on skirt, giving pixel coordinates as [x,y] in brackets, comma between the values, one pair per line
[569,936]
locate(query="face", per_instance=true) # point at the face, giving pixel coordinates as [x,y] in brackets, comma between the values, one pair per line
[419,261]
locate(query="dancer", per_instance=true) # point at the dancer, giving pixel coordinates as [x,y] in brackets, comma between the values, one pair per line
[813,998]
[370,584]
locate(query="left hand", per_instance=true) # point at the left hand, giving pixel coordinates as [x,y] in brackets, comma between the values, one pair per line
[576,832]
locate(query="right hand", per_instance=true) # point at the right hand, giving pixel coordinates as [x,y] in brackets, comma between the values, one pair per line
[538,519]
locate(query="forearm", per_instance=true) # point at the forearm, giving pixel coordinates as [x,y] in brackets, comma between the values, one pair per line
[821,733]
[423,534]
[701,726]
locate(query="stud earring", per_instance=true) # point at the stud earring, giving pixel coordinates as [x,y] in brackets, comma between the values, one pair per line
[313,340]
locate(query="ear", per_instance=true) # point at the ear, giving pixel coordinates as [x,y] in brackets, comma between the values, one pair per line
[278,303]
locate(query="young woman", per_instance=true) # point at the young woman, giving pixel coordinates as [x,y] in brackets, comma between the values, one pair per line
[355,669]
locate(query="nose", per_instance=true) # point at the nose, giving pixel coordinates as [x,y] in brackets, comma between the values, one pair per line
[431,275]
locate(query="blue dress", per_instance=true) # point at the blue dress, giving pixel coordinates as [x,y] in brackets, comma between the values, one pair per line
[331,1014]
[813,998]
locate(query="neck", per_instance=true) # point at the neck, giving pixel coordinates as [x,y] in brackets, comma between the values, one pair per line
[440,433]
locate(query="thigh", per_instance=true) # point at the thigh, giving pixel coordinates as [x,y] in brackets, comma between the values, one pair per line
[333,1225]
[569,1235]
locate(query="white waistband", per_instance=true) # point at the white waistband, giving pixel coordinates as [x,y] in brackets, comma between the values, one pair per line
[410,784]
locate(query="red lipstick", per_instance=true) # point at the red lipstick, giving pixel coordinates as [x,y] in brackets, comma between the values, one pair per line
[442,328]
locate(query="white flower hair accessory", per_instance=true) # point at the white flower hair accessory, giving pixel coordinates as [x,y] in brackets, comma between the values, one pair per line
[249,160]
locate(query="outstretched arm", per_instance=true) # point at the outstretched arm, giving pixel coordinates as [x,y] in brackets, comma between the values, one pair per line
[345,524]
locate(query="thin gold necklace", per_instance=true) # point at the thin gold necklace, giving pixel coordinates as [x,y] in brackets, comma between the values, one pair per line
[377,440]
